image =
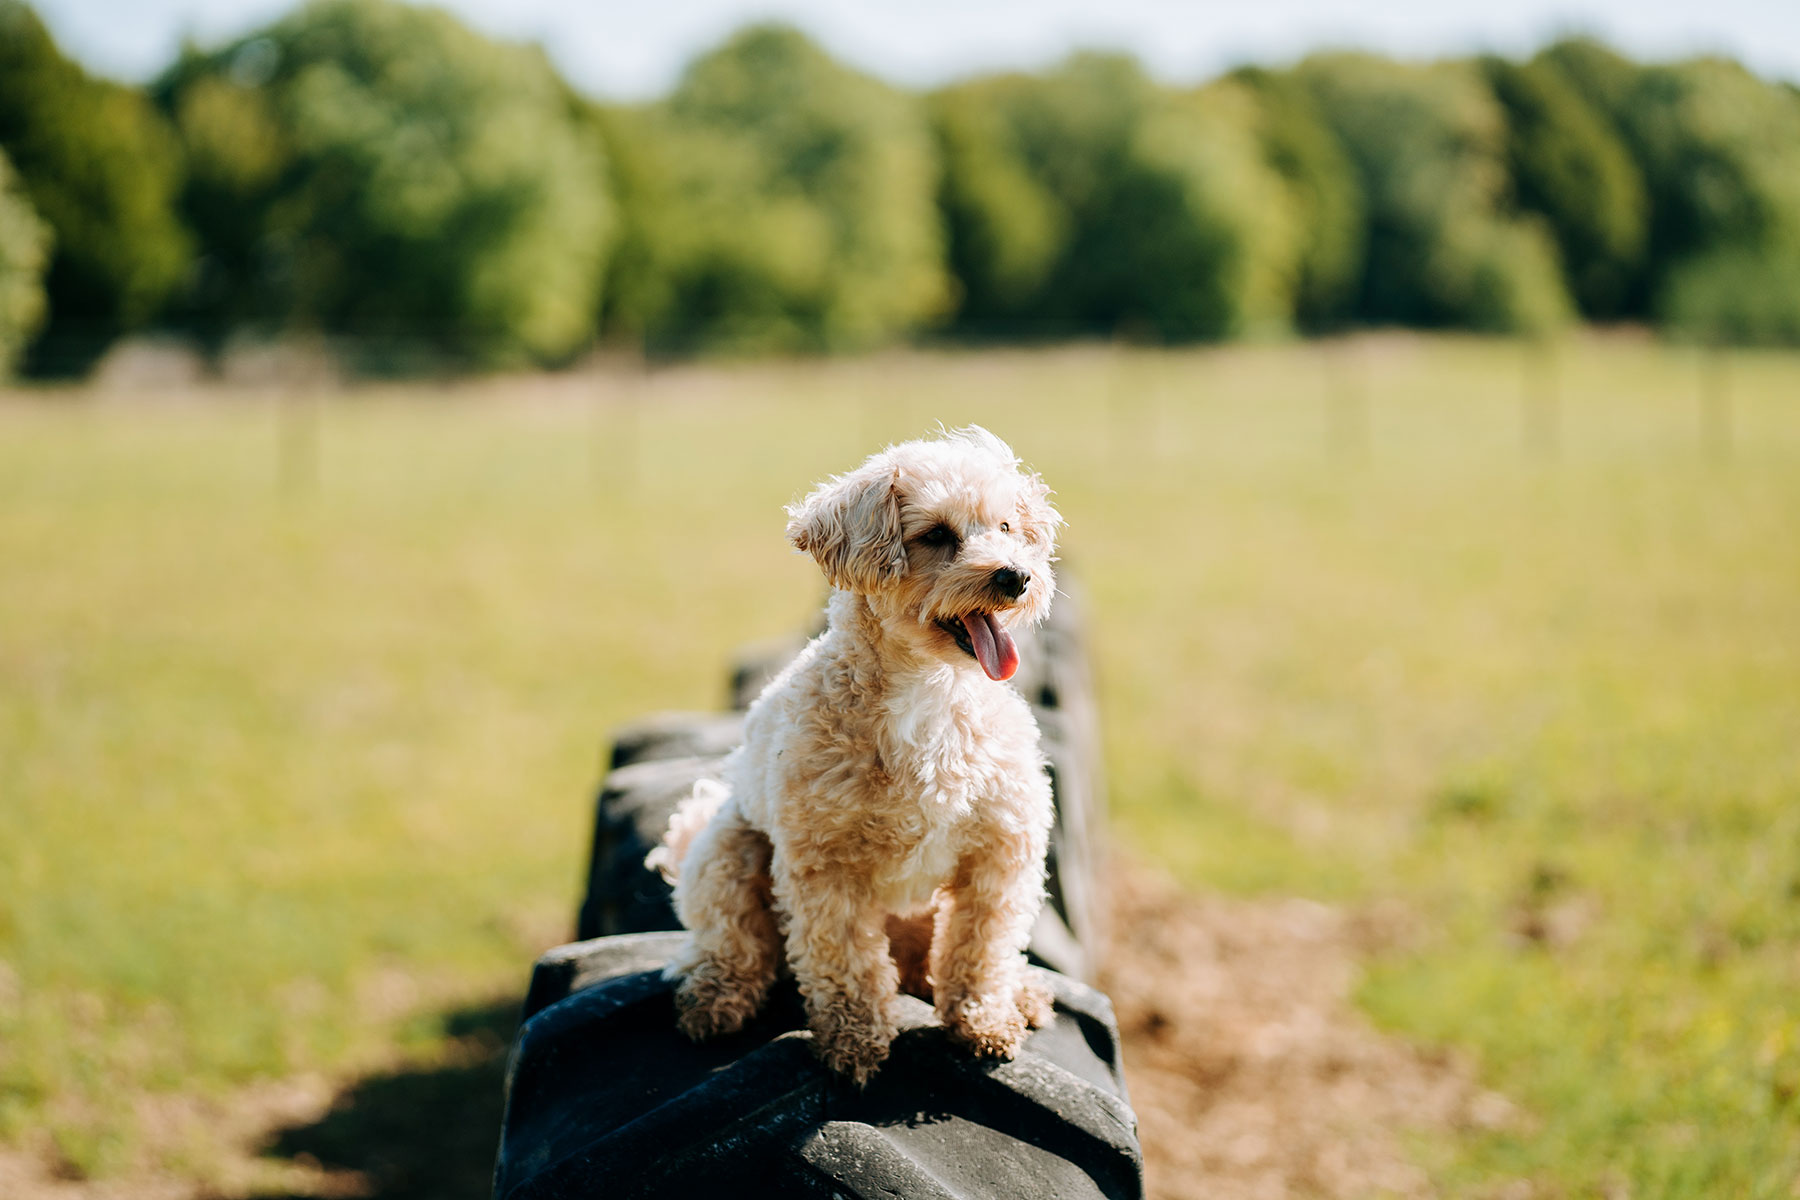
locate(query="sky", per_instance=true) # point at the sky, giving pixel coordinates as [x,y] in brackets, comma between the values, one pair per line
[632,51]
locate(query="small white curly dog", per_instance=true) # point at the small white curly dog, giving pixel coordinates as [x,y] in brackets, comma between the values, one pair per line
[887,814]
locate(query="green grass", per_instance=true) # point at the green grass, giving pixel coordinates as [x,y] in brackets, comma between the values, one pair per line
[281,770]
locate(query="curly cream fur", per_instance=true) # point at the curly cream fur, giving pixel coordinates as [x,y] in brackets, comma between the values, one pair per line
[884,824]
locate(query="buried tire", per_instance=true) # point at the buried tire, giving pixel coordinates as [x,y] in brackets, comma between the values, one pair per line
[604,1096]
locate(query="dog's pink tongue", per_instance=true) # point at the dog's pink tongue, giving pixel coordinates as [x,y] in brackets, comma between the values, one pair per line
[995,649]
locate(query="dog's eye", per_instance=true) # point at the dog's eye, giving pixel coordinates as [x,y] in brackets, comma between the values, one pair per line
[1005,527]
[939,535]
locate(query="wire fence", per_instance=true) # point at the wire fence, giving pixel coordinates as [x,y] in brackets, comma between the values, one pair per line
[1347,403]
[304,383]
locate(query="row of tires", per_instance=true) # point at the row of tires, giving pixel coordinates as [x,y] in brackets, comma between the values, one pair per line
[605,1098]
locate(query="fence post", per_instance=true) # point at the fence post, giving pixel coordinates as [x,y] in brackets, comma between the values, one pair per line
[1118,403]
[1347,389]
[296,442]
[618,395]
[1542,399]
[1715,403]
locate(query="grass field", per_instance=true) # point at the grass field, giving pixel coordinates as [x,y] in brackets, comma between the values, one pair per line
[295,752]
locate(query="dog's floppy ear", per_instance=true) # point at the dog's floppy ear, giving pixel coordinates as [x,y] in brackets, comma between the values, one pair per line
[851,524]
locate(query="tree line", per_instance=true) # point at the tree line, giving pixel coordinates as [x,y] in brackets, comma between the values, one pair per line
[380,173]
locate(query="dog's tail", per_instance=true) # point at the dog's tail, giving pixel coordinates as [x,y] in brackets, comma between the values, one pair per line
[685,824]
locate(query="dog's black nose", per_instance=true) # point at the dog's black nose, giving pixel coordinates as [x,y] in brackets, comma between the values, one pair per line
[1011,581]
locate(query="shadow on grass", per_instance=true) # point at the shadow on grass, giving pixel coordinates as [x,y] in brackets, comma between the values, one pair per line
[418,1133]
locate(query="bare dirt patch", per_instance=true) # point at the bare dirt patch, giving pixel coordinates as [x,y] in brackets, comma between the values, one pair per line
[1252,1072]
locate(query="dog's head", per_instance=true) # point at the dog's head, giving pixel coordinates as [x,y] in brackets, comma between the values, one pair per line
[948,538]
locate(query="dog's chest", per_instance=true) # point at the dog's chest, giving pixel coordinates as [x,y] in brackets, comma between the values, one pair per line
[936,738]
[938,773]
[927,859]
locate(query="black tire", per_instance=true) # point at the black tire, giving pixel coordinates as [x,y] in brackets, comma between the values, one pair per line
[623,895]
[1059,685]
[758,663]
[677,735]
[604,1097]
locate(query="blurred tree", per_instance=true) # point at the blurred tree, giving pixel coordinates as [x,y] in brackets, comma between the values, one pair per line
[102,169]
[1735,296]
[373,169]
[711,257]
[1569,164]
[1196,236]
[24,251]
[1429,145]
[1328,199]
[1007,229]
[1604,77]
[776,201]
[635,291]
[1719,150]
[1088,198]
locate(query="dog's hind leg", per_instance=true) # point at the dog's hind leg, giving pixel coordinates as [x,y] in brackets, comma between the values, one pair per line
[733,952]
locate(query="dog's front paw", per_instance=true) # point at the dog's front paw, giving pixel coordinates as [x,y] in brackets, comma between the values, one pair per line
[709,1005]
[992,1028]
[1036,1002]
[852,1044]
[856,1055]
